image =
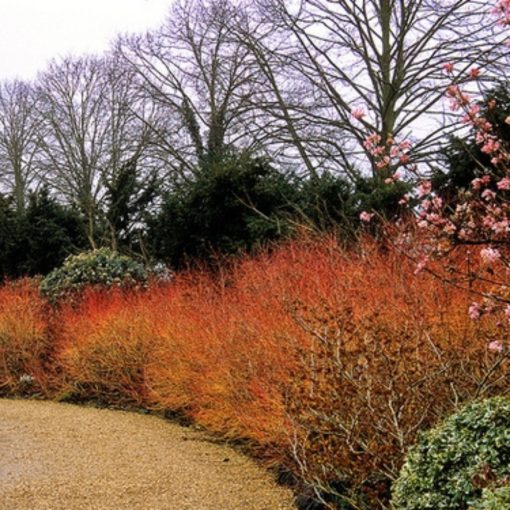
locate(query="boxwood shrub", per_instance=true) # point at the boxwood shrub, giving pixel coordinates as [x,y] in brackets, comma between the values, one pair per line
[459,464]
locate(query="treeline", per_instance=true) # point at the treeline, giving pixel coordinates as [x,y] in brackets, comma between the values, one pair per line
[229,125]
[233,207]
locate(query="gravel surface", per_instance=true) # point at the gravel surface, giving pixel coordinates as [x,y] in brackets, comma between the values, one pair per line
[64,457]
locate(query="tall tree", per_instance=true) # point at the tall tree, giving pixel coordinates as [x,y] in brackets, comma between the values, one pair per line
[203,80]
[72,105]
[20,128]
[371,67]
[91,131]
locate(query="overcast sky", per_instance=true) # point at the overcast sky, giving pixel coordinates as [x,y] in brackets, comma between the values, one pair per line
[34,31]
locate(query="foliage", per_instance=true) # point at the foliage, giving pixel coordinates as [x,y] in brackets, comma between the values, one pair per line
[104,349]
[38,239]
[323,359]
[12,240]
[25,342]
[52,233]
[102,267]
[232,205]
[463,157]
[373,194]
[324,202]
[127,199]
[453,462]
[493,499]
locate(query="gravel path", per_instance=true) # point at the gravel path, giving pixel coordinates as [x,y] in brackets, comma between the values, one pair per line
[63,457]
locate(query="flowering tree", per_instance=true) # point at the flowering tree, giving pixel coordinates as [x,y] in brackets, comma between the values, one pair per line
[479,219]
[376,68]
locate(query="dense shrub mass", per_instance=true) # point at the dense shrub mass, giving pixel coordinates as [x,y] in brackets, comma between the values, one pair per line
[105,349]
[25,341]
[453,462]
[102,267]
[39,238]
[231,205]
[327,361]
[494,499]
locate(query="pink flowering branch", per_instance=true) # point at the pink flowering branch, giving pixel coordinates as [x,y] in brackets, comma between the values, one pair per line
[479,219]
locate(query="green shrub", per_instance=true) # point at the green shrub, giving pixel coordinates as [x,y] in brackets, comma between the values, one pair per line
[230,206]
[101,267]
[36,240]
[451,464]
[493,499]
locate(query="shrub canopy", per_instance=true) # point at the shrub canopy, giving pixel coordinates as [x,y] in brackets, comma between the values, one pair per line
[102,267]
[451,464]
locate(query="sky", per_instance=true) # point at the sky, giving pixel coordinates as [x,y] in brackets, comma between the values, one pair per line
[35,31]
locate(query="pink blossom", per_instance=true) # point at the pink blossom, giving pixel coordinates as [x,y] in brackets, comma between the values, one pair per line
[475,311]
[504,183]
[502,10]
[448,67]
[358,113]
[372,140]
[435,219]
[449,228]
[453,90]
[501,227]
[474,110]
[488,221]
[488,194]
[480,181]
[489,256]
[476,183]
[383,163]
[474,72]
[366,216]
[454,105]
[437,202]
[496,346]
[480,137]
[426,204]
[471,115]
[424,188]
[490,146]
[467,119]
[421,265]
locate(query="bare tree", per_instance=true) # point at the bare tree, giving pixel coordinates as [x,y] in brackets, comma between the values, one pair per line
[381,58]
[90,131]
[203,81]
[130,171]
[19,131]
